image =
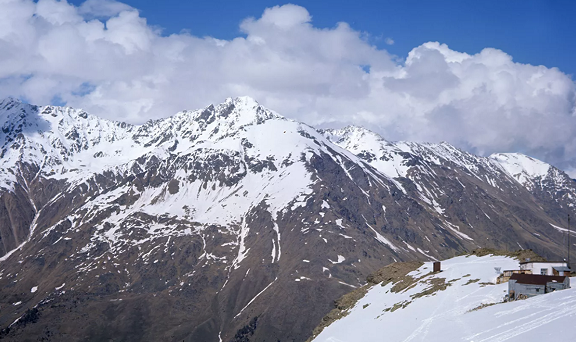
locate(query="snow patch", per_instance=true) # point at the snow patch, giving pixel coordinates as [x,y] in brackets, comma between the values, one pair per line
[340,260]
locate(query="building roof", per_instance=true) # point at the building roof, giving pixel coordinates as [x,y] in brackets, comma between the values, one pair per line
[562,269]
[543,262]
[536,279]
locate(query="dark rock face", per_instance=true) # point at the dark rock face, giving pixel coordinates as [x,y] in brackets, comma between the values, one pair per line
[16,215]
[232,222]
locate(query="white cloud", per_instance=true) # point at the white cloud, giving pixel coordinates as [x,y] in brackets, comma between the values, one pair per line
[105,58]
[389,41]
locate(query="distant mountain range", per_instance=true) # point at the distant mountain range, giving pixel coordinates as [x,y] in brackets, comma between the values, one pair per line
[234,223]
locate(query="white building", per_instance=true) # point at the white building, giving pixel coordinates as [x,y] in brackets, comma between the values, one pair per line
[542,267]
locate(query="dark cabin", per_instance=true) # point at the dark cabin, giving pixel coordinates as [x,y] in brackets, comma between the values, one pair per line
[529,285]
[561,271]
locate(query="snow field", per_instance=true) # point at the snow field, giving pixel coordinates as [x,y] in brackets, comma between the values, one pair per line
[446,315]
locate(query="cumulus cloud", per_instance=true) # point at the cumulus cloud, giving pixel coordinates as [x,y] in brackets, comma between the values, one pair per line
[104,57]
[389,41]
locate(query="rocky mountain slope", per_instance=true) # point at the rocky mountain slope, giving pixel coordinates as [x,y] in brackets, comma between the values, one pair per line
[461,303]
[234,223]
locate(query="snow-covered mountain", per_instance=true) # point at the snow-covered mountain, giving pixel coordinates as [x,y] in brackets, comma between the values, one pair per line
[461,303]
[242,222]
[412,160]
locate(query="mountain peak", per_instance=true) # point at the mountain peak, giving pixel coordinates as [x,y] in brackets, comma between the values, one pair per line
[10,102]
[239,111]
[522,167]
[243,100]
[7,100]
[351,129]
[352,133]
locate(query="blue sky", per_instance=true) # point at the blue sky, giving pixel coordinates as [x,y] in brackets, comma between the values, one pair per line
[533,32]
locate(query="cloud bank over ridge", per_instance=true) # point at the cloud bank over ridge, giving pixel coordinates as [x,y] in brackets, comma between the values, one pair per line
[102,56]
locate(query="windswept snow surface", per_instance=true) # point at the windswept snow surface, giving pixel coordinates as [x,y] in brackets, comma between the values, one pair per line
[395,159]
[535,174]
[419,162]
[446,316]
[381,154]
[521,167]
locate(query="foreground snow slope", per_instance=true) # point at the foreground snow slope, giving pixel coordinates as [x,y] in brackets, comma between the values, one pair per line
[446,316]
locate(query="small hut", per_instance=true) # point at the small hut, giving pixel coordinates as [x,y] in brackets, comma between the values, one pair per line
[529,285]
[561,271]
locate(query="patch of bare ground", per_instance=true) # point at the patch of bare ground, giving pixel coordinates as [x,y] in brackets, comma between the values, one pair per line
[520,255]
[485,284]
[471,281]
[436,284]
[482,306]
[393,272]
